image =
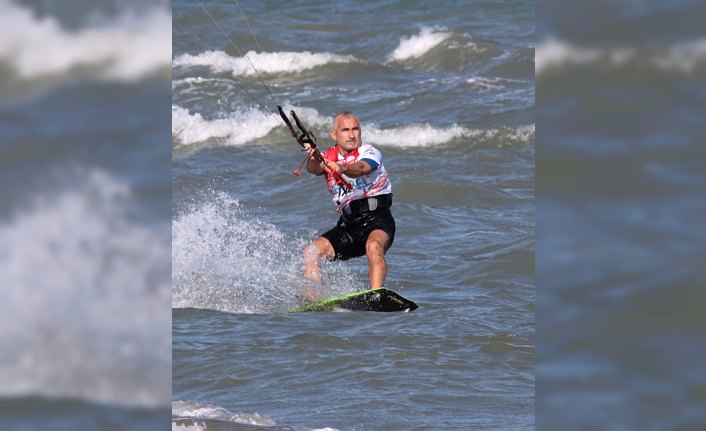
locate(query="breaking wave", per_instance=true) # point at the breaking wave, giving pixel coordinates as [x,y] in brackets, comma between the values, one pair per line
[196,416]
[416,46]
[196,410]
[238,128]
[427,135]
[273,62]
[687,56]
[125,48]
[243,127]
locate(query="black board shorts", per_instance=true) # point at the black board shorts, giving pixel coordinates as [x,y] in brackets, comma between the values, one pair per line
[350,234]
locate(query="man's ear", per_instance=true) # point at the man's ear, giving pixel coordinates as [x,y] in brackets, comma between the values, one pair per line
[332,133]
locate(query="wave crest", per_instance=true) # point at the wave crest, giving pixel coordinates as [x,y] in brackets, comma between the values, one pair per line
[126,48]
[273,62]
[426,135]
[416,46]
[197,410]
[553,55]
[239,128]
[243,127]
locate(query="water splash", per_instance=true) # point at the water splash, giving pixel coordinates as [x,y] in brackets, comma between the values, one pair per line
[224,258]
[87,286]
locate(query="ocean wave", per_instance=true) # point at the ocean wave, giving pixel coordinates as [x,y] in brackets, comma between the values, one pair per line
[686,56]
[682,57]
[427,135]
[126,48]
[484,84]
[553,53]
[254,62]
[197,410]
[243,127]
[437,48]
[87,287]
[196,416]
[416,46]
[238,128]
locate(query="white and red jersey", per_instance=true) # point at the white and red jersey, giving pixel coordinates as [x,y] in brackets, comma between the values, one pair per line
[374,184]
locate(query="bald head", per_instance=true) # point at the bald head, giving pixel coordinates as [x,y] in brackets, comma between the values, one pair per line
[346,132]
[343,114]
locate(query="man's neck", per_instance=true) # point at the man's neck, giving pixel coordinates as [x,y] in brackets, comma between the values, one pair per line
[345,153]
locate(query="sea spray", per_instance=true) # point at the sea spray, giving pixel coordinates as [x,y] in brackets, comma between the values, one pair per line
[84,287]
[225,258]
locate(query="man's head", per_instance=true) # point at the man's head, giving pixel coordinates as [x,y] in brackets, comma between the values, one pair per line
[346,132]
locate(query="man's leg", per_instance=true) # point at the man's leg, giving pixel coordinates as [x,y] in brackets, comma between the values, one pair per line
[319,249]
[375,250]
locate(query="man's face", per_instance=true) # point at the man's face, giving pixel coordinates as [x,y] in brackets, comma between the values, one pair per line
[347,133]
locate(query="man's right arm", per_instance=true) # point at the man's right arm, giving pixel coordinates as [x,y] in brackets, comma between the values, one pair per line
[313,166]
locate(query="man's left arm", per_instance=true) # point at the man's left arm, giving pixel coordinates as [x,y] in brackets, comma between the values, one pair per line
[354,170]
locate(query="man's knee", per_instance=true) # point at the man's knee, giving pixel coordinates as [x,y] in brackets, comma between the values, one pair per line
[375,247]
[312,252]
[319,249]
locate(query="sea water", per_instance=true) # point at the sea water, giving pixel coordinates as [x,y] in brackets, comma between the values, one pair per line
[85,216]
[446,92]
[620,215]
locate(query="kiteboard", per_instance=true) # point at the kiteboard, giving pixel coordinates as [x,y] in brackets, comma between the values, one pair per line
[367,300]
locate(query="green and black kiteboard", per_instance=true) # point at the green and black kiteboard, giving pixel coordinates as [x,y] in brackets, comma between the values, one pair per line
[367,300]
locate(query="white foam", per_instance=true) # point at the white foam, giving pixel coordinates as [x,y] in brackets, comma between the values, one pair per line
[273,62]
[83,298]
[416,46]
[191,80]
[197,410]
[484,84]
[413,135]
[196,426]
[239,128]
[244,126]
[224,258]
[426,135]
[525,133]
[552,53]
[126,48]
[683,56]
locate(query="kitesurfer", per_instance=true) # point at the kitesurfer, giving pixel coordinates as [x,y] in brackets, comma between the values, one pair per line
[366,226]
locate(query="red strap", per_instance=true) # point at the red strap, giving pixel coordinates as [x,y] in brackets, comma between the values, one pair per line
[298,171]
